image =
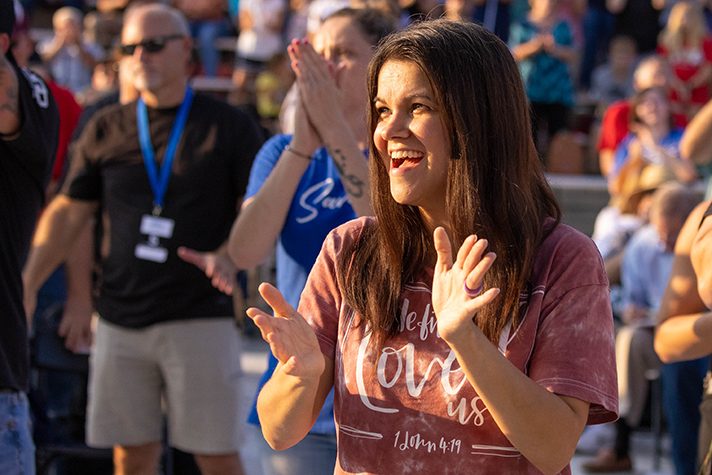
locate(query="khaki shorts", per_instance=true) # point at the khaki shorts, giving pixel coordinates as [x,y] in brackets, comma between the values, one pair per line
[191,368]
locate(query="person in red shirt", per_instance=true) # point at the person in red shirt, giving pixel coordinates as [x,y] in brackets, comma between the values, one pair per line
[651,72]
[687,47]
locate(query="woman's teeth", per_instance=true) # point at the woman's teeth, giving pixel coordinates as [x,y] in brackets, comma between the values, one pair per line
[398,158]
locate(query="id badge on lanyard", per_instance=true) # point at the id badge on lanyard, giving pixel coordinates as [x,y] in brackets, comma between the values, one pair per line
[154,226]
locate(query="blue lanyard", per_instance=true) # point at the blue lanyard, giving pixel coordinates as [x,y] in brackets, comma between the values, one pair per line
[159,184]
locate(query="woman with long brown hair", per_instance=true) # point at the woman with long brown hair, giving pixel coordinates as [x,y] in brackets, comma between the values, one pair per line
[431,372]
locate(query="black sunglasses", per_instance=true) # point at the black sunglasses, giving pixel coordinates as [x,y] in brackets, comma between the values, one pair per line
[152,45]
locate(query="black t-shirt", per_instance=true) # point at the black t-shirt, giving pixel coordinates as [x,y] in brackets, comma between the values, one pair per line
[25,165]
[209,174]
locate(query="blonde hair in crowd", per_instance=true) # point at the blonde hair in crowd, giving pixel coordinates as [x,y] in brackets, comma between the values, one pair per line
[685,27]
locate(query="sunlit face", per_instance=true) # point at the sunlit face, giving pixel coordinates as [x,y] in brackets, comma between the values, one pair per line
[153,71]
[411,138]
[653,109]
[651,74]
[69,28]
[341,42]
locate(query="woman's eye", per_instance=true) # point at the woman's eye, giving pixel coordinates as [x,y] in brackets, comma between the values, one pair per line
[382,111]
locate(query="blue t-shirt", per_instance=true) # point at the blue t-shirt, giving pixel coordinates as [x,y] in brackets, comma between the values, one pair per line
[319,205]
[671,144]
[547,79]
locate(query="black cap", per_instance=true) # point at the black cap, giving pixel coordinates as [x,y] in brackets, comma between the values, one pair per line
[7,16]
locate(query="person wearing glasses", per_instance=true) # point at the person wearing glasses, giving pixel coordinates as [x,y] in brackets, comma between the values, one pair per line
[166,171]
[463,329]
[29,125]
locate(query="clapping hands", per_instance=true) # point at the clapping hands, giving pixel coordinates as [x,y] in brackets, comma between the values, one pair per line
[456,298]
[291,339]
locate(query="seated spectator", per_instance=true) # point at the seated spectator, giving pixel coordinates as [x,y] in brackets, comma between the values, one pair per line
[687,45]
[613,81]
[646,266]
[70,58]
[625,214]
[652,71]
[653,140]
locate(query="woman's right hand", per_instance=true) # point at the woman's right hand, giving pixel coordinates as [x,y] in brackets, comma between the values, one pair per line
[291,339]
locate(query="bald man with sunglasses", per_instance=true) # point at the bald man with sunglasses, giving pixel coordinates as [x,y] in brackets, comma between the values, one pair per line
[168,172]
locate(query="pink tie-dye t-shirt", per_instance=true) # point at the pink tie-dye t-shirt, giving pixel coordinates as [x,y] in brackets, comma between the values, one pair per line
[409,408]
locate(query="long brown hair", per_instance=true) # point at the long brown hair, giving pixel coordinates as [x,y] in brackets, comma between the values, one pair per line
[496,186]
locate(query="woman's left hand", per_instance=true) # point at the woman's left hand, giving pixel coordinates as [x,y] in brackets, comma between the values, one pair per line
[457,287]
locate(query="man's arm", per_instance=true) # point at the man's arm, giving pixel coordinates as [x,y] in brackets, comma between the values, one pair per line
[684,328]
[696,144]
[700,255]
[75,326]
[9,100]
[57,231]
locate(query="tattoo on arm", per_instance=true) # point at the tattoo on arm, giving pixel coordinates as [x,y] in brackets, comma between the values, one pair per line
[12,101]
[354,185]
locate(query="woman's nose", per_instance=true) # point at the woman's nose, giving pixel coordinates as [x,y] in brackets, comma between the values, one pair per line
[394,126]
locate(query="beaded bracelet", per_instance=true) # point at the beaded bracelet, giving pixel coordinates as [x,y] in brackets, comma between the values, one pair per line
[305,156]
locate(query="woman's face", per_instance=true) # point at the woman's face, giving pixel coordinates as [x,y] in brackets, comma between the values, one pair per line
[341,42]
[653,108]
[411,138]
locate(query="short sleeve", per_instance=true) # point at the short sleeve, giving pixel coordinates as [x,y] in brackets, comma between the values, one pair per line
[36,140]
[265,161]
[574,352]
[321,301]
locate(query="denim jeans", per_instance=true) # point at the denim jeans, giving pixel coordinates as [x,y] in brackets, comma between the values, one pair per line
[315,455]
[682,393]
[17,451]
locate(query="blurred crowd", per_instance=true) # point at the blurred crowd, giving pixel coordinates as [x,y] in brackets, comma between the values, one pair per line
[617,88]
